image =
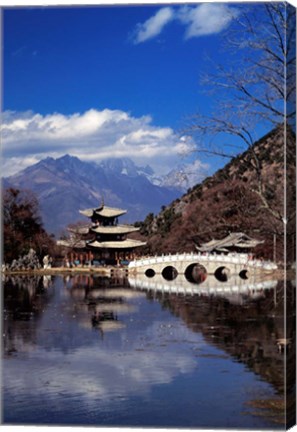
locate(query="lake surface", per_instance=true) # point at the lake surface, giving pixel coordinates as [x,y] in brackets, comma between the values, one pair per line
[84,350]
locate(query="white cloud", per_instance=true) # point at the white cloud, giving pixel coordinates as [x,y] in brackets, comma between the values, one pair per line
[91,136]
[12,165]
[154,25]
[194,172]
[124,367]
[123,372]
[204,19]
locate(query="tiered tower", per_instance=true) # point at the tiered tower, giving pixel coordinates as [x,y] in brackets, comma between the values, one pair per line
[110,244]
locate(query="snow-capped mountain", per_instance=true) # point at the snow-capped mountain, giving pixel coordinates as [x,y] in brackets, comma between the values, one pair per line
[65,185]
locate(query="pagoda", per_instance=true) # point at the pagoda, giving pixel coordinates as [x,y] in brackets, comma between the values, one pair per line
[109,243]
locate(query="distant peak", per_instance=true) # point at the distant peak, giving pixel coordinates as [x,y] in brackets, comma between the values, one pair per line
[46,160]
[67,157]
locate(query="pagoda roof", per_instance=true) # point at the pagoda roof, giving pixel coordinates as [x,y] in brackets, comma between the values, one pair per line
[238,240]
[87,212]
[114,229]
[124,244]
[104,211]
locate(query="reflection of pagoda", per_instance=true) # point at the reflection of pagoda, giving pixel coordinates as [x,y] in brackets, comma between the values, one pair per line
[110,244]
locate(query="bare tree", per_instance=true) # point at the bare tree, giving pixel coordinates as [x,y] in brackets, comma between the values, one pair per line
[256,90]
[22,225]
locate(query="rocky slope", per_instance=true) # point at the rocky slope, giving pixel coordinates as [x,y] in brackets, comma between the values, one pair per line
[230,201]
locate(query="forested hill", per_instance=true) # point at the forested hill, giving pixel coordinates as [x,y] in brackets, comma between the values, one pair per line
[247,195]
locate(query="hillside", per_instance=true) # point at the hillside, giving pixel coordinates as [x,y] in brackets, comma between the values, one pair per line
[229,201]
[65,185]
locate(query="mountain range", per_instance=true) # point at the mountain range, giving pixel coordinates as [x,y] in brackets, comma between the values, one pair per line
[65,185]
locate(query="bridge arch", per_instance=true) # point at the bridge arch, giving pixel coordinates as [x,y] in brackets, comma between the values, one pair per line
[169,273]
[244,274]
[222,273]
[150,273]
[195,273]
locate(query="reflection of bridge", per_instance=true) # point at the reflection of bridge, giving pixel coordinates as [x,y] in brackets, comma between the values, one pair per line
[189,264]
[235,289]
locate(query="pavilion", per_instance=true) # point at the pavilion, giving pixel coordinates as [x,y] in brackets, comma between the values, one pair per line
[103,239]
[234,242]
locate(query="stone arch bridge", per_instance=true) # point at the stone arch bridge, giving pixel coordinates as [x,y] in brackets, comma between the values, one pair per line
[197,266]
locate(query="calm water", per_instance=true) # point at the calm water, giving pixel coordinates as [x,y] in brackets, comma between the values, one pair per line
[90,351]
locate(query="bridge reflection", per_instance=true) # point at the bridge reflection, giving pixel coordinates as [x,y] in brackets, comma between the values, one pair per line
[235,289]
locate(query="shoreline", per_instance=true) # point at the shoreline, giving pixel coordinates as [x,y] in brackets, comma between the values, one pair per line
[113,271]
[103,271]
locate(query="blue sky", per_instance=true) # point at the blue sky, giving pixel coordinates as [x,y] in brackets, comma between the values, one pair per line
[72,59]
[105,81]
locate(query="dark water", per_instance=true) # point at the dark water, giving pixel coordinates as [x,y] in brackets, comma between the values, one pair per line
[92,351]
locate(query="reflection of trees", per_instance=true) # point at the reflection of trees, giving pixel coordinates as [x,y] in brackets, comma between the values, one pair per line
[24,299]
[248,332]
[252,333]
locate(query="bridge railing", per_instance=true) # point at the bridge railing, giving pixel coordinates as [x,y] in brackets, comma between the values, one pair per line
[242,259]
